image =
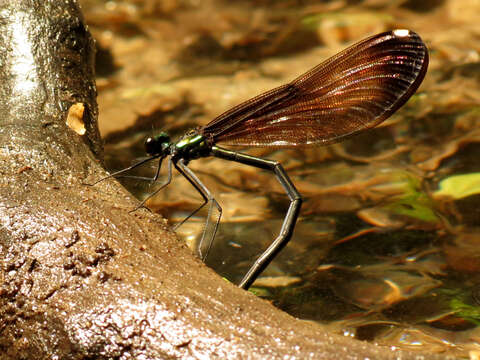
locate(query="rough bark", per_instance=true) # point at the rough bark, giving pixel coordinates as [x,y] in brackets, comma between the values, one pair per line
[81,276]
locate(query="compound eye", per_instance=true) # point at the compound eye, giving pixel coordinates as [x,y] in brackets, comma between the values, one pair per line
[150,146]
[157,145]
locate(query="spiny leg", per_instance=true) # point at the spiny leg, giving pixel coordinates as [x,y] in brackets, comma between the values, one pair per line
[145,178]
[118,173]
[289,221]
[207,197]
[166,183]
[177,225]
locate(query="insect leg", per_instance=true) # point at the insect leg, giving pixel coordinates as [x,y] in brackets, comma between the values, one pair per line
[120,172]
[151,179]
[291,216]
[203,248]
[168,181]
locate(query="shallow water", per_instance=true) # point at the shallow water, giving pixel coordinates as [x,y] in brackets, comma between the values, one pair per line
[387,245]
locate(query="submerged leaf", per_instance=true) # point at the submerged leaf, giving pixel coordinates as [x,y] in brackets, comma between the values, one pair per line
[417,206]
[465,311]
[459,186]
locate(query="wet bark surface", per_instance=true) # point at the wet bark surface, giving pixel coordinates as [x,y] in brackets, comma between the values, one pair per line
[83,277]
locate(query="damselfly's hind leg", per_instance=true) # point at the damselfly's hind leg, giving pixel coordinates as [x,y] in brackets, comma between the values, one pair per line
[205,244]
[290,217]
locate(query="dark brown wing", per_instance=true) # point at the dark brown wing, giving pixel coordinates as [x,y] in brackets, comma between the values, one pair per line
[352,91]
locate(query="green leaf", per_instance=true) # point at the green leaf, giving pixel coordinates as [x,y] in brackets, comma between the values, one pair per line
[417,206]
[459,186]
[465,311]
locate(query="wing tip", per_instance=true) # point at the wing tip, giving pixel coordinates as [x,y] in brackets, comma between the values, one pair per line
[422,58]
[403,32]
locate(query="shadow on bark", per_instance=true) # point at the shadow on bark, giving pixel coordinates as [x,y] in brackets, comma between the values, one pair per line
[81,277]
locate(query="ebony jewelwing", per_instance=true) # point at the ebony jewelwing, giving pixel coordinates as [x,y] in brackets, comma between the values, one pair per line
[351,92]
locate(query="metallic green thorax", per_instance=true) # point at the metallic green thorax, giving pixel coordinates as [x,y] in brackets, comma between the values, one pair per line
[192,140]
[191,146]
